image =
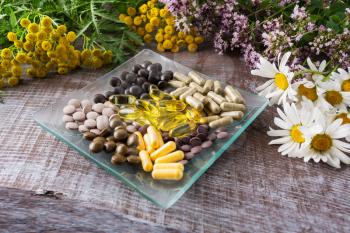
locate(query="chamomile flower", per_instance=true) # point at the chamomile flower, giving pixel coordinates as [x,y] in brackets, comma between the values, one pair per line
[318,77]
[345,116]
[323,141]
[343,76]
[334,96]
[278,89]
[289,121]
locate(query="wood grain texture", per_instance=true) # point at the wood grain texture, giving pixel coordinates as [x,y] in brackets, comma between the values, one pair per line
[251,188]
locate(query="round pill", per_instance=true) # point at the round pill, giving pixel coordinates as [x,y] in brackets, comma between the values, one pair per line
[92,115]
[136,90]
[102,122]
[120,134]
[115,122]
[196,149]
[185,148]
[69,109]
[115,81]
[212,137]
[122,149]
[83,129]
[145,64]
[79,116]
[96,146]
[98,107]
[118,90]
[135,68]
[195,141]
[109,145]
[99,98]
[87,109]
[135,159]
[222,135]
[90,123]
[132,151]
[89,136]
[189,155]
[67,118]
[117,159]
[185,140]
[107,112]
[206,144]
[143,73]
[71,125]
[74,102]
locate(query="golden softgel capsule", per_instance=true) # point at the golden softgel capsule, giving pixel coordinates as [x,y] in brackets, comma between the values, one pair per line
[171,158]
[163,150]
[169,166]
[146,162]
[167,174]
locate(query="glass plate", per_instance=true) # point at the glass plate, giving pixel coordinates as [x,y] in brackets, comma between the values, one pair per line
[162,193]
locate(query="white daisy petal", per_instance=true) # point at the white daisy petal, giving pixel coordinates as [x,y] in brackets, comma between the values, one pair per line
[280,141]
[282,124]
[278,133]
[265,85]
[311,65]
[340,155]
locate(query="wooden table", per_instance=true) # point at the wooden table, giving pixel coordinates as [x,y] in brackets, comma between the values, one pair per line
[251,188]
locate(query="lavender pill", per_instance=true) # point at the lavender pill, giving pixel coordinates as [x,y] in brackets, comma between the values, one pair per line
[196,149]
[212,137]
[185,148]
[189,155]
[207,144]
[222,135]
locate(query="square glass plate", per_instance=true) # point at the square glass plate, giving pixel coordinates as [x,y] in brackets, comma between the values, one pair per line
[162,193]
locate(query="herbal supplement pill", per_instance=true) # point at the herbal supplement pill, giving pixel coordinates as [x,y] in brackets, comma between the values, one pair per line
[160,140]
[153,136]
[177,84]
[197,87]
[190,91]
[236,115]
[217,87]
[194,103]
[225,106]
[182,130]
[221,122]
[200,97]
[182,77]
[168,166]
[135,159]
[196,77]
[69,109]
[233,94]
[208,85]
[217,98]
[167,174]
[212,106]
[141,143]
[171,158]
[179,91]
[209,119]
[148,145]
[163,150]
[147,164]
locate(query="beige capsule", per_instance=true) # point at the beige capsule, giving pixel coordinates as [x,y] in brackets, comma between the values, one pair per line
[208,119]
[216,97]
[236,115]
[194,103]
[212,106]
[196,77]
[226,106]
[177,84]
[221,122]
[197,87]
[217,87]
[182,77]
[208,86]
[179,91]
[190,91]
[200,97]
[233,94]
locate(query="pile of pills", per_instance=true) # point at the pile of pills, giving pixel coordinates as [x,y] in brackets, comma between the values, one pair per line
[159,120]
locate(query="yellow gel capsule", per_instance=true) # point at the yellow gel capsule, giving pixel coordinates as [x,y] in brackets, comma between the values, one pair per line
[153,136]
[172,105]
[122,99]
[141,143]
[157,95]
[148,145]
[171,158]
[163,150]
[146,162]
[182,130]
[193,114]
[177,119]
[168,166]
[167,174]
[130,113]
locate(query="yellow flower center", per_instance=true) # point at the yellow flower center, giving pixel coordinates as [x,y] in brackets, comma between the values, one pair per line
[344,117]
[281,81]
[345,86]
[334,97]
[296,134]
[309,93]
[321,142]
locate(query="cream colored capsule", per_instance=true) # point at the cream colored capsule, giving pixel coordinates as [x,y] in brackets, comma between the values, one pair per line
[194,103]
[221,122]
[153,136]
[190,91]
[226,106]
[208,86]
[147,140]
[141,143]
[217,98]
[217,87]
[167,174]
[146,162]
[236,115]
[197,87]
[182,77]
[196,77]
[177,84]
[163,150]
[209,119]
[233,94]
[200,97]
[179,91]
[212,106]
[168,166]
[171,158]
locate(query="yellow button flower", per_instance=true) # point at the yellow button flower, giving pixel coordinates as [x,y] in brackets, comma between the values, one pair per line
[147,38]
[167,37]
[160,47]
[143,8]
[6,53]
[128,20]
[154,12]
[140,31]
[11,36]
[13,81]
[71,36]
[169,29]
[198,39]
[122,17]
[150,4]
[46,21]
[24,22]
[189,39]
[159,37]
[131,11]
[155,21]
[167,44]
[192,47]
[148,27]
[175,49]
[137,20]
[33,27]
[163,13]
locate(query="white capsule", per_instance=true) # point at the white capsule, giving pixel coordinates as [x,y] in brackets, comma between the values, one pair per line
[196,77]
[236,115]
[194,103]
[182,77]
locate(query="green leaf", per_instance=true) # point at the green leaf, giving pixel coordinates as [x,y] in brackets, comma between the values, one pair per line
[13,19]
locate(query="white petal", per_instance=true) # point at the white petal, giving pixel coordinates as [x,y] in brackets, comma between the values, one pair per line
[311,65]
[284,60]
[265,85]
[333,161]
[340,155]
[278,133]
[285,147]
[333,126]
[280,141]
[322,66]
[341,132]
[282,124]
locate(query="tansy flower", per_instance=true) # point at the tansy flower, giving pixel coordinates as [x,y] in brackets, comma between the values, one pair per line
[6,53]
[131,11]
[323,141]
[71,36]
[24,22]
[343,76]
[33,28]
[278,89]
[11,36]
[46,21]
[192,47]
[143,8]
[289,122]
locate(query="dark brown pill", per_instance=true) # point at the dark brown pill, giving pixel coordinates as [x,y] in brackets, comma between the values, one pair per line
[189,155]
[196,149]
[117,159]
[110,138]
[89,136]
[212,137]
[185,140]
[131,128]
[120,127]
[99,98]
[105,132]
[143,129]
[134,159]
[120,134]
[165,134]
[132,140]
[195,141]
[115,122]
[115,81]
[96,146]
[207,144]
[185,148]
[110,146]
[101,139]
[222,135]
[202,129]
[202,136]
[122,149]
[132,151]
